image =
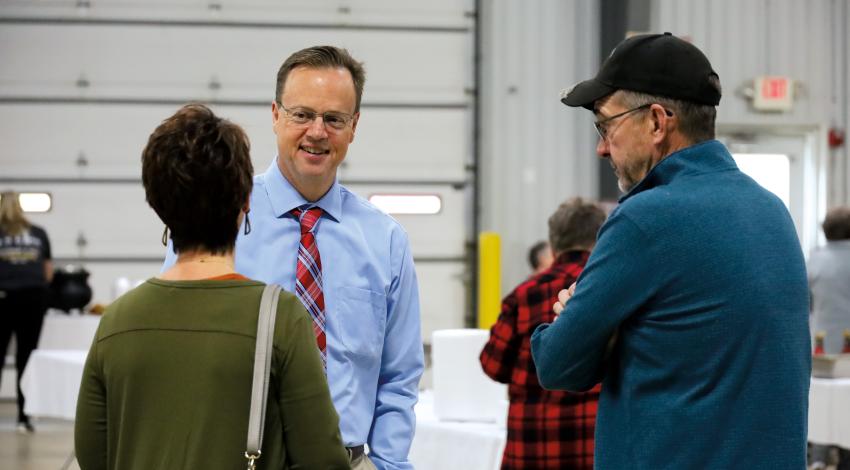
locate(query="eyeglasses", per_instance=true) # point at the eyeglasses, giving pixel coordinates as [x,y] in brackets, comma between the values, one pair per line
[602,125]
[303,116]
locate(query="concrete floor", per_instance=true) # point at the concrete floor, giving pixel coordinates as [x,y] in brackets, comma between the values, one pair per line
[48,449]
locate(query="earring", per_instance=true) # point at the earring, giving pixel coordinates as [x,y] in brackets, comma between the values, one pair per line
[247,224]
[165,236]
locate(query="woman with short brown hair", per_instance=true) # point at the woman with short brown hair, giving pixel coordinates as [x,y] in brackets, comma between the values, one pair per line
[168,379]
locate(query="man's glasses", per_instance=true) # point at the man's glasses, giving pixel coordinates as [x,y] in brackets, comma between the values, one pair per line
[601,126]
[303,116]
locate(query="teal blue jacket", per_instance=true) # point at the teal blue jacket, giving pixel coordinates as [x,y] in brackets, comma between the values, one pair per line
[700,273]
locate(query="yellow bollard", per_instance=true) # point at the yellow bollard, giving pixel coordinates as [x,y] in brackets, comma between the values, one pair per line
[489,278]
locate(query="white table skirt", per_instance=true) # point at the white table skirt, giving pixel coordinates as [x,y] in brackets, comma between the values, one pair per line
[51,381]
[62,331]
[829,412]
[451,444]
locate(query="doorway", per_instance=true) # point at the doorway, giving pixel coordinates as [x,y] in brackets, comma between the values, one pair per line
[786,162]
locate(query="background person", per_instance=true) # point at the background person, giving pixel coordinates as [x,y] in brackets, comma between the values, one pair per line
[699,274]
[25,273]
[167,381]
[546,429]
[829,279]
[540,257]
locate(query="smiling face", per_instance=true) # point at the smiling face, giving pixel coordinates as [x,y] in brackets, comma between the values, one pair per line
[309,154]
[627,142]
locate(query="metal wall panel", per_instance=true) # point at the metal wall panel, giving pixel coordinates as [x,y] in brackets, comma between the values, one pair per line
[744,40]
[97,79]
[388,13]
[535,151]
[116,221]
[113,218]
[49,139]
[431,236]
[839,177]
[806,40]
[442,294]
[210,63]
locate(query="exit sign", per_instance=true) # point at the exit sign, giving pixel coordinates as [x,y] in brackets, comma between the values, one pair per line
[773,93]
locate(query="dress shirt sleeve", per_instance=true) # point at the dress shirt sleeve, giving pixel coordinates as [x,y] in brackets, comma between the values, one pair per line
[310,422]
[499,356]
[621,275]
[90,423]
[402,363]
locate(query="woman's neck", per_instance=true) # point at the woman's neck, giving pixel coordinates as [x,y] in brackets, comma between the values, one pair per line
[195,265]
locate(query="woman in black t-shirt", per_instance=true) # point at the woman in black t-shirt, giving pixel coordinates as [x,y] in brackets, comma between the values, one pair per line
[25,272]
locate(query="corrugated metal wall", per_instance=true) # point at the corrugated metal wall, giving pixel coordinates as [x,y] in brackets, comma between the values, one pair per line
[803,39]
[535,152]
[82,85]
[840,116]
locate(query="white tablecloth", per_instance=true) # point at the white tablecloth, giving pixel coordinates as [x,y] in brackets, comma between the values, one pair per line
[62,331]
[449,444]
[829,412]
[51,381]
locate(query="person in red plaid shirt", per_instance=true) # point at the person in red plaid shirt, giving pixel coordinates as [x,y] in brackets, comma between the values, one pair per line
[546,429]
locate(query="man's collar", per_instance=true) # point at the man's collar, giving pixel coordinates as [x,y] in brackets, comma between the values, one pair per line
[284,197]
[702,157]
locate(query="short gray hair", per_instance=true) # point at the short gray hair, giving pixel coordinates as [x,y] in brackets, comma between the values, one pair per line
[696,121]
[574,225]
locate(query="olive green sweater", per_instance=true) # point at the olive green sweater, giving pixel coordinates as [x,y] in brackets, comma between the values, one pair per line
[167,383]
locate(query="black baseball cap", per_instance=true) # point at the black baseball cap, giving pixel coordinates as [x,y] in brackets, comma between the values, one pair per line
[657,64]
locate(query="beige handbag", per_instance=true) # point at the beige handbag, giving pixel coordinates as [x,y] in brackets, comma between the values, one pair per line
[262,367]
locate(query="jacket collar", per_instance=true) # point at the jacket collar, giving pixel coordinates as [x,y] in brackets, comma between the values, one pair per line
[705,157]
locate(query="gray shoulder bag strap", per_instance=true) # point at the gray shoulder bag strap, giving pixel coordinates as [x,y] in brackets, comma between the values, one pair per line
[262,367]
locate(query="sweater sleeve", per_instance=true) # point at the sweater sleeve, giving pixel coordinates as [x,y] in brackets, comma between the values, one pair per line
[621,275]
[310,422]
[90,423]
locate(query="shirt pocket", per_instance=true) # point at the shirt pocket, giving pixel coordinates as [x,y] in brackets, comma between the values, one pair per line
[361,317]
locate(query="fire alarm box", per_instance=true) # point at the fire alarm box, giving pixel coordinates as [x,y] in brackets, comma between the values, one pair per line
[773,93]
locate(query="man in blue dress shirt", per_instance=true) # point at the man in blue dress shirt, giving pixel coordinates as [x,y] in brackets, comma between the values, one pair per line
[368,283]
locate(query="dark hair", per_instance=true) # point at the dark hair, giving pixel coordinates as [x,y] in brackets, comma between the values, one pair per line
[197,174]
[534,253]
[574,225]
[318,57]
[696,121]
[836,225]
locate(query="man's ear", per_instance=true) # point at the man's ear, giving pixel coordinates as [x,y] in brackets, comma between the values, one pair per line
[275,112]
[662,121]
[354,126]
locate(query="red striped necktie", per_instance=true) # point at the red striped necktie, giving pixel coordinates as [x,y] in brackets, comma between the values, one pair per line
[308,275]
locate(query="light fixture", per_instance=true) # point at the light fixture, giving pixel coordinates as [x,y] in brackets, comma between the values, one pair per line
[407,203]
[35,202]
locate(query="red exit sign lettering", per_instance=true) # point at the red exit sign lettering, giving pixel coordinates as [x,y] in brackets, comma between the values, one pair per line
[773,93]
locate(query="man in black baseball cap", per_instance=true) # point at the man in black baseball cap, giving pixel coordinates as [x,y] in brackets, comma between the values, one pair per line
[657,64]
[693,307]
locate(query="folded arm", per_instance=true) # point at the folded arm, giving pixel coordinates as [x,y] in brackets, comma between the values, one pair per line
[620,276]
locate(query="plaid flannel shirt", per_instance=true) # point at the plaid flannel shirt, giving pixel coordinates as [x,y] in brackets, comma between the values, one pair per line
[546,429]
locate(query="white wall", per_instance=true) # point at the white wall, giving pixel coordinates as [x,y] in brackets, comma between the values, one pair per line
[536,152]
[81,88]
[806,40]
